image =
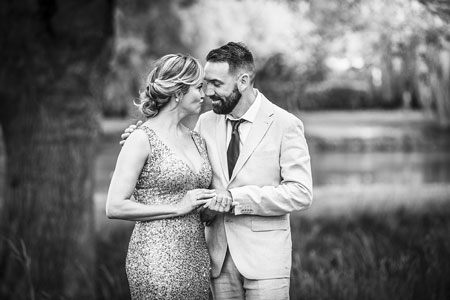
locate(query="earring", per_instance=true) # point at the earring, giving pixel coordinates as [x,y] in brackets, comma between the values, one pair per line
[177,100]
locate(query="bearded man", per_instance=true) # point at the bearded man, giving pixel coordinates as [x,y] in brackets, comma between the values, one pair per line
[261,173]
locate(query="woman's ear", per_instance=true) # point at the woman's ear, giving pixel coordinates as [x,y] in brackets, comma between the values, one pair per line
[179,97]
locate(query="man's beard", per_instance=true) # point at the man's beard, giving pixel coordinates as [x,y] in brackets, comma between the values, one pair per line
[226,106]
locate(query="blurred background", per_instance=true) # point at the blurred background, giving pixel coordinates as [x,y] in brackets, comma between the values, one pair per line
[369,79]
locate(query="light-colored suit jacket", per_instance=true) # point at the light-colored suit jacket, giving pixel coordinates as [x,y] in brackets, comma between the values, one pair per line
[272,178]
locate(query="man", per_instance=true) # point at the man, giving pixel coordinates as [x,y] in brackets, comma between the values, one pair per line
[261,173]
[250,241]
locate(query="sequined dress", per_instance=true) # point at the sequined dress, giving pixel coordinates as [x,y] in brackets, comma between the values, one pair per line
[168,258]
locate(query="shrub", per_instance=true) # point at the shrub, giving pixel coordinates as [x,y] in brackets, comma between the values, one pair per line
[333,94]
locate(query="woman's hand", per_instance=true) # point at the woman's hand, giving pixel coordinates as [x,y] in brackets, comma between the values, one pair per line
[223,202]
[193,199]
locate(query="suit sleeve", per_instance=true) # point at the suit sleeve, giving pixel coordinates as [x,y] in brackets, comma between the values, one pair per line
[294,192]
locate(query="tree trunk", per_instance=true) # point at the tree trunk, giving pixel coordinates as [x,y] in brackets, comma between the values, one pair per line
[49,121]
[440,80]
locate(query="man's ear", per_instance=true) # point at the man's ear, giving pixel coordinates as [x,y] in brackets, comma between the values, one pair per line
[243,82]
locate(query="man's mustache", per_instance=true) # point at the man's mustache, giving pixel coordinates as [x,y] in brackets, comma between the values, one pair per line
[214,98]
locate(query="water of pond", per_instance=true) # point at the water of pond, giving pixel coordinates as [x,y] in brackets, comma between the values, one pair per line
[339,168]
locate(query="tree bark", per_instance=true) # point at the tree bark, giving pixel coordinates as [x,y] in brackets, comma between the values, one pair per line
[49,120]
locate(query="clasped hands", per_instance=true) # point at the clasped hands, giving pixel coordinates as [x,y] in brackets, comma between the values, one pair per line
[212,201]
[222,202]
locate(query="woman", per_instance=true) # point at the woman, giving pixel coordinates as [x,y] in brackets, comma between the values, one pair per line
[165,167]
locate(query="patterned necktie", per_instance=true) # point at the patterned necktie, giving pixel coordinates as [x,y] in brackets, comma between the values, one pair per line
[233,146]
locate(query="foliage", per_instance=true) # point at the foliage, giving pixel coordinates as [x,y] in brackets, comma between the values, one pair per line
[275,31]
[267,27]
[439,7]
[144,31]
[296,44]
[399,44]
[399,255]
[333,94]
[402,255]
[111,249]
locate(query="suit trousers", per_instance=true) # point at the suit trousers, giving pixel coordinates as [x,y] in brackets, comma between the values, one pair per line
[231,285]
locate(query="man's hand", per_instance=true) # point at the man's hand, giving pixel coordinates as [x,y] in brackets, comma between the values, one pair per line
[126,133]
[223,202]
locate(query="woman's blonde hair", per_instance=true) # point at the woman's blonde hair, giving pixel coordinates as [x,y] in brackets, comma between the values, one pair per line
[172,75]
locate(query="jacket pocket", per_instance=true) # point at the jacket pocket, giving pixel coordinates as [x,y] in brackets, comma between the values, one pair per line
[270,223]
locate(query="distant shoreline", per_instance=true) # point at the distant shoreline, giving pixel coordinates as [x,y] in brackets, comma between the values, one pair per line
[354,131]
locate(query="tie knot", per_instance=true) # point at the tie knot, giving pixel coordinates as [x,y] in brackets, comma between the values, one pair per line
[235,124]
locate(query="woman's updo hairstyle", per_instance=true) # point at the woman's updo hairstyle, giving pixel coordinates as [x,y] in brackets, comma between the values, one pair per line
[172,75]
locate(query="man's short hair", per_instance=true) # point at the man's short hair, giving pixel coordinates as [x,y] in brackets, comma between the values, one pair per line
[236,55]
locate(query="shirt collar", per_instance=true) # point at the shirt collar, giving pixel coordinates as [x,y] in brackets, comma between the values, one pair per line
[250,114]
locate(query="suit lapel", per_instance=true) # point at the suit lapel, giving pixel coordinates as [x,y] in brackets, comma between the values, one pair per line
[221,140]
[263,120]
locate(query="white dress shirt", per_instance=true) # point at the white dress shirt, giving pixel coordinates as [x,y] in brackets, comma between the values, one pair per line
[249,117]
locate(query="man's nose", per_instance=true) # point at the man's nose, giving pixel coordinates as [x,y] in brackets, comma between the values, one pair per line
[209,90]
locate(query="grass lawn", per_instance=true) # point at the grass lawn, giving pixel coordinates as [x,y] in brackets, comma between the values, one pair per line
[384,254]
[398,254]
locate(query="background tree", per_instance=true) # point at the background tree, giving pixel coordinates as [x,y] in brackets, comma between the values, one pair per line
[49,119]
[145,30]
[396,48]
[434,59]
[350,54]
[439,7]
[278,32]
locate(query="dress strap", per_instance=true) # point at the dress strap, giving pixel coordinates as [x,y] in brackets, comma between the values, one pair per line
[199,142]
[150,135]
